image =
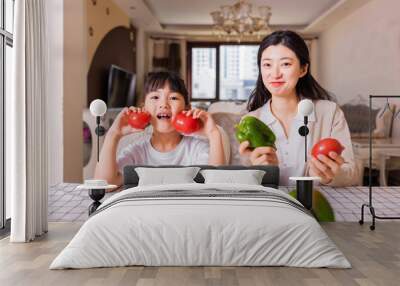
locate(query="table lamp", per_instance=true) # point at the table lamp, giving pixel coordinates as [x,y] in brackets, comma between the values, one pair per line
[98,108]
[304,185]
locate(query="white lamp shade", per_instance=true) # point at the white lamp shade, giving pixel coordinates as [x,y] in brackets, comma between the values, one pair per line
[305,107]
[98,107]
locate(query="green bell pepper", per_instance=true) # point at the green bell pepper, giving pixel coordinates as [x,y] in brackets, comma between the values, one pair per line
[321,208]
[256,132]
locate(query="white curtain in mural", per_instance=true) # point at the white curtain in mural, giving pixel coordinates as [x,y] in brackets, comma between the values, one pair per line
[27,124]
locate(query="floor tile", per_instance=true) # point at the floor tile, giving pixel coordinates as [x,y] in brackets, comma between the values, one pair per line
[68,204]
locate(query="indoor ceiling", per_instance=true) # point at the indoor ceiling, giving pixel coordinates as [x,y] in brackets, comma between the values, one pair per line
[290,12]
[192,17]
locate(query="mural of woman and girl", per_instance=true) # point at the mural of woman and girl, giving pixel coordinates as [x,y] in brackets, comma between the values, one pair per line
[284,79]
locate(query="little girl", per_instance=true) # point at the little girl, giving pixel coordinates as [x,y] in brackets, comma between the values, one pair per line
[165,97]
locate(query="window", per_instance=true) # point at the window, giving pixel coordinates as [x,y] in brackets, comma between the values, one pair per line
[203,73]
[218,71]
[6,65]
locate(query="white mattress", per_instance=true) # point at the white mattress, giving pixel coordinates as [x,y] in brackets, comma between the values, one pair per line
[210,229]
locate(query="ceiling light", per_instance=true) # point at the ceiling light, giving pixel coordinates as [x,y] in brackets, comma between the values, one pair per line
[238,19]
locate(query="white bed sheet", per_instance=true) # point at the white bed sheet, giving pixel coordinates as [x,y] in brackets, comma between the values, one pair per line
[191,231]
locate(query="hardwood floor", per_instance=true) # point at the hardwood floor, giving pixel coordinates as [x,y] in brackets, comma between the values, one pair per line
[374,255]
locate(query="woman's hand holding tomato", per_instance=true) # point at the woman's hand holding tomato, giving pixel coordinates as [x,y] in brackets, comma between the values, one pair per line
[195,121]
[130,120]
[326,160]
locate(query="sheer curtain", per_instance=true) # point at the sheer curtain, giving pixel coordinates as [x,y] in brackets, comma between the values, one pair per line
[27,125]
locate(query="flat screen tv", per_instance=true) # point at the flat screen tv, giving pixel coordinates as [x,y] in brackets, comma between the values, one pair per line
[121,87]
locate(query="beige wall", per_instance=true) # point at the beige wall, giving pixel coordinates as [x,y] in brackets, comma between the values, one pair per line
[361,53]
[75,69]
[55,36]
[79,49]
[102,23]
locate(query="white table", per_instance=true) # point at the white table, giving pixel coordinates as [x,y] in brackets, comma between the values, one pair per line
[388,160]
[377,143]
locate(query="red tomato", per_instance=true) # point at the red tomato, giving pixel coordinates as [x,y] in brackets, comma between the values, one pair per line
[138,120]
[186,124]
[325,146]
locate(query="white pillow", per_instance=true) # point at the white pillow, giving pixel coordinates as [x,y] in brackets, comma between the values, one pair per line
[249,177]
[163,176]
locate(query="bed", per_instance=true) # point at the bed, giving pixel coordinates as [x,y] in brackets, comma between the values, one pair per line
[201,224]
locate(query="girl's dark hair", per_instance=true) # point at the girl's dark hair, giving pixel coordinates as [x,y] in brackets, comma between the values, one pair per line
[307,86]
[157,80]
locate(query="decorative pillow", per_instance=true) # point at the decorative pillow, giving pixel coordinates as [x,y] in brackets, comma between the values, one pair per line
[249,177]
[270,179]
[163,176]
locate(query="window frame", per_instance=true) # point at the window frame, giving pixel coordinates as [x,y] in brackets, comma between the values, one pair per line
[216,45]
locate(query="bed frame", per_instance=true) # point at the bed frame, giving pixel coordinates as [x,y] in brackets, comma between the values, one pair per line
[131,178]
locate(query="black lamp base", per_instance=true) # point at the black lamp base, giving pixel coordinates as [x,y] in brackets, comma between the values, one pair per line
[96,195]
[305,193]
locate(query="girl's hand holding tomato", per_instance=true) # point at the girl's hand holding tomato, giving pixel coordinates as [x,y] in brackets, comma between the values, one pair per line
[130,120]
[138,119]
[186,124]
[326,160]
[195,121]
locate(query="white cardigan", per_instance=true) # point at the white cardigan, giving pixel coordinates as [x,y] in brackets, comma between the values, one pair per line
[330,122]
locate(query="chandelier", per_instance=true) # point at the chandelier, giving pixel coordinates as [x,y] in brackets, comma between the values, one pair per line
[238,19]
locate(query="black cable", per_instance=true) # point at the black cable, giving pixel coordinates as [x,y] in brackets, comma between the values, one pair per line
[98,136]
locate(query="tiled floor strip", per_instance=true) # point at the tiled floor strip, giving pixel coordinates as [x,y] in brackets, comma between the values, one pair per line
[68,204]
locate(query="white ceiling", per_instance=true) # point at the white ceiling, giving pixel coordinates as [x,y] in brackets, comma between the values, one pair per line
[192,17]
[284,12]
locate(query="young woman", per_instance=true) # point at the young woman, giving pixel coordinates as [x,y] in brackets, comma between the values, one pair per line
[165,97]
[284,79]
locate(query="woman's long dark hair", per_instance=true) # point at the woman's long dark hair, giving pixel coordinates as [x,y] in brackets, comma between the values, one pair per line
[307,86]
